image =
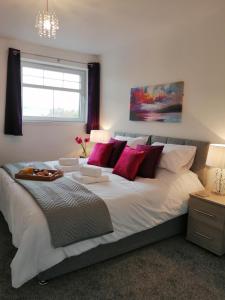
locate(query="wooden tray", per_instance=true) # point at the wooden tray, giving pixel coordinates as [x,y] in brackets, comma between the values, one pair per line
[53,175]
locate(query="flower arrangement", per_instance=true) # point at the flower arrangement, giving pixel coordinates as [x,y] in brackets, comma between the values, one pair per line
[83,142]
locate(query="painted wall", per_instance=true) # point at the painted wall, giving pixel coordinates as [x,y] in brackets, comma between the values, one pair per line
[40,141]
[193,53]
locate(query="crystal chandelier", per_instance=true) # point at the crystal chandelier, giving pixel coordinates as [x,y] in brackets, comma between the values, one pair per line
[47,23]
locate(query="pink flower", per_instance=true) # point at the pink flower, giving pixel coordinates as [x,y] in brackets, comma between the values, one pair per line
[79,140]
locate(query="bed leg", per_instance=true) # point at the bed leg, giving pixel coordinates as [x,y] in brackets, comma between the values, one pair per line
[43,282]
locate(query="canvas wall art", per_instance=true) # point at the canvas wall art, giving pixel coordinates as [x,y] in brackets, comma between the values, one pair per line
[162,102]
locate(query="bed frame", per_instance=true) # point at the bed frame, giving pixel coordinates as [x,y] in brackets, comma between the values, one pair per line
[155,234]
[107,251]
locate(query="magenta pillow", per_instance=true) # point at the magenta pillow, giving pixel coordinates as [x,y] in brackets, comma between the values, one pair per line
[129,162]
[148,167]
[100,154]
[117,149]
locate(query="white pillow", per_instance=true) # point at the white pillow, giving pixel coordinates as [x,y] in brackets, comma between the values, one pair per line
[176,158]
[131,141]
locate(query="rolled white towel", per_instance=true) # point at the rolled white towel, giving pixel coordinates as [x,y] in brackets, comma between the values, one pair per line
[91,171]
[67,168]
[67,161]
[88,180]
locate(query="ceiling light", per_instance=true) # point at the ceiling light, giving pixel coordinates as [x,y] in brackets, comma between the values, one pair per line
[47,23]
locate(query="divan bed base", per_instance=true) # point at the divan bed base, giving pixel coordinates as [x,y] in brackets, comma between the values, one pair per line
[107,251]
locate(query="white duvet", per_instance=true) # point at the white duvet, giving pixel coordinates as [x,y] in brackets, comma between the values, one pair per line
[133,206]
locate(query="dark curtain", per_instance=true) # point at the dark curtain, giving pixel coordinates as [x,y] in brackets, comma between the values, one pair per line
[13,107]
[93,96]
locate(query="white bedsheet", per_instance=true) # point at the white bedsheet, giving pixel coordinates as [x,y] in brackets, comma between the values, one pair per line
[133,206]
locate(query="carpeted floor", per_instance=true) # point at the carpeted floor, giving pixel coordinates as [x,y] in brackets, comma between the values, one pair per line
[171,269]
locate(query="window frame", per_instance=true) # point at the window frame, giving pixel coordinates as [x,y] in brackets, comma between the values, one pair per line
[82,72]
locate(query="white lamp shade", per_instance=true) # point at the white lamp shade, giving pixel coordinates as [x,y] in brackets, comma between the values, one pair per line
[99,136]
[216,156]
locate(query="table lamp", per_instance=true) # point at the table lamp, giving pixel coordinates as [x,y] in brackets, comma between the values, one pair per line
[99,136]
[216,159]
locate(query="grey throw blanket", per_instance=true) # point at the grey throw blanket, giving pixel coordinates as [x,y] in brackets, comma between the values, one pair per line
[72,211]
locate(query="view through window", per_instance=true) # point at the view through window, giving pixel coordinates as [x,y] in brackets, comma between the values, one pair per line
[53,93]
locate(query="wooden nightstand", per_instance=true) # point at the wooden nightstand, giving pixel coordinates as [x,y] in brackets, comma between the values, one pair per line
[206,222]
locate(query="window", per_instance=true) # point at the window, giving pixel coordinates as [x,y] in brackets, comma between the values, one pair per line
[53,93]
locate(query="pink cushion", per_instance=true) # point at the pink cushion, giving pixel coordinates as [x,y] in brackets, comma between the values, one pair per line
[151,160]
[129,162]
[117,149]
[100,154]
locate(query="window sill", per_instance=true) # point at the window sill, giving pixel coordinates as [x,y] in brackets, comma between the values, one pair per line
[52,122]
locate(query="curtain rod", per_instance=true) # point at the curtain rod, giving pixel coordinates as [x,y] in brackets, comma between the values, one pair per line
[57,59]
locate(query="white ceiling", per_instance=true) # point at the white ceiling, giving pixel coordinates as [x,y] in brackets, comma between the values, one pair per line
[96,26]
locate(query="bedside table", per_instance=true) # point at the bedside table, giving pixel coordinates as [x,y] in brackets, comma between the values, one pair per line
[206,222]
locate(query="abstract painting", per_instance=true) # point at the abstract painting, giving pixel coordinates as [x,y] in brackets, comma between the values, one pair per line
[162,102]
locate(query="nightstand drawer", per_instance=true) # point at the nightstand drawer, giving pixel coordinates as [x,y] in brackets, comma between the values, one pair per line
[206,212]
[205,236]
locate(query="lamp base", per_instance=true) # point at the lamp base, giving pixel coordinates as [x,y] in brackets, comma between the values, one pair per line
[220,182]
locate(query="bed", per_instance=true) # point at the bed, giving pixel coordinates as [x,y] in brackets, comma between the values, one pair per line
[137,219]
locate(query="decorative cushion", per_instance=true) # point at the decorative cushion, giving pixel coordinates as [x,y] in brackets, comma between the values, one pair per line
[117,149]
[100,154]
[133,141]
[129,162]
[176,158]
[148,167]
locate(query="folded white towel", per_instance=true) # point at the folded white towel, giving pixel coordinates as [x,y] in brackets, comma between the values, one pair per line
[68,161]
[87,179]
[92,171]
[67,168]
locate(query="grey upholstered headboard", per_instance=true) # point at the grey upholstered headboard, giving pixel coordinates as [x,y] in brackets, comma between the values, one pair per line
[201,153]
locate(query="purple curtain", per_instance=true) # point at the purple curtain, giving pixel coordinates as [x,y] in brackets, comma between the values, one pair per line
[93,97]
[13,107]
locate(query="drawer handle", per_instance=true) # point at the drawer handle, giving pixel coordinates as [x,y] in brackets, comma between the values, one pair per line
[203,235]
[204,213]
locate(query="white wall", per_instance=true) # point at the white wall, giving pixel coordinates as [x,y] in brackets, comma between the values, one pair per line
[40,141]
[194,53]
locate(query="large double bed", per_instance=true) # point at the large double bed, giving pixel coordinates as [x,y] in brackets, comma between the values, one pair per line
[142,212]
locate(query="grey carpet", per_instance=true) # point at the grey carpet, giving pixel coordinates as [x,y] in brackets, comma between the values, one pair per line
[171,269]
